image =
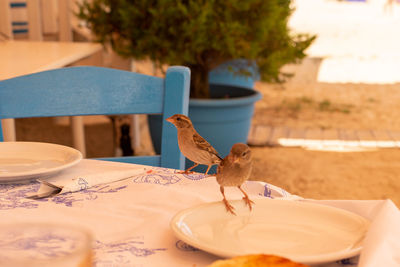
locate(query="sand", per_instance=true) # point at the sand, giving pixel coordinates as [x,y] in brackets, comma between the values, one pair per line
[303,102]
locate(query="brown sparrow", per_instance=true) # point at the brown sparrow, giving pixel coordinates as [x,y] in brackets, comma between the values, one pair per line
[234,170]
[192,145]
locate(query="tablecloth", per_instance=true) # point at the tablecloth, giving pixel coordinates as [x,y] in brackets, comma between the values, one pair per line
[130,218]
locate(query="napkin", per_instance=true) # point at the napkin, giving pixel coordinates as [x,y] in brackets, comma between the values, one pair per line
[87,173]
[381,246]
[382,243]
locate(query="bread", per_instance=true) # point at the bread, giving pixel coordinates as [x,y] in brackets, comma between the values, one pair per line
[257,260]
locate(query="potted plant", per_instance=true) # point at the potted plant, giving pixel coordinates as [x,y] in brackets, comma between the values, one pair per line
[202,35]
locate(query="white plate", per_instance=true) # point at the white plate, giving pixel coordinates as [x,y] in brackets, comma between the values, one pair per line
[28,160]
[303,232]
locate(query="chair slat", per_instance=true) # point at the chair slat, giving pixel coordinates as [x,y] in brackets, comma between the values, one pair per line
[81,91]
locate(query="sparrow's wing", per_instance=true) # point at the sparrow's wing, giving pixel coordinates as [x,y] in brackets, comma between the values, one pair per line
[202,144]
[221,165]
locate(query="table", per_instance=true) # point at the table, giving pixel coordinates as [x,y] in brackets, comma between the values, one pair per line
[130,218]
[24,57]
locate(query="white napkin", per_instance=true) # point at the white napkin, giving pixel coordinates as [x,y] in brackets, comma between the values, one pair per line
[381,245]
[86,174]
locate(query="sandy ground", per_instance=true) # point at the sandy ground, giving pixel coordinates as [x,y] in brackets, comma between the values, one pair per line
[302,102]
[330,175]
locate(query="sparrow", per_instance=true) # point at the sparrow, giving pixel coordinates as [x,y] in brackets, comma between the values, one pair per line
[234,170]
[192,145]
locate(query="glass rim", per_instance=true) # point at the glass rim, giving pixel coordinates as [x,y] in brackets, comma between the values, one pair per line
[81,231]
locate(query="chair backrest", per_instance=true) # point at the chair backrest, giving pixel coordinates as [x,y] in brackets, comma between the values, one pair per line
[39,19]
[85,90]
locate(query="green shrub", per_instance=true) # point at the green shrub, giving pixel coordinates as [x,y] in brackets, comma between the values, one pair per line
[199,34]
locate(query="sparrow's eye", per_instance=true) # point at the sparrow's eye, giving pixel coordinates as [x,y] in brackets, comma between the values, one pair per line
[178,119]
[244,154]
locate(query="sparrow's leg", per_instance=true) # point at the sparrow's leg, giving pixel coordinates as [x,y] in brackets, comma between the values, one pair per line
[228,206]
[209,167]
[187,171]
[246,198]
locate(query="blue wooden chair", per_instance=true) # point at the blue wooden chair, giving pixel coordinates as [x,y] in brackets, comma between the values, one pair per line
[76,91]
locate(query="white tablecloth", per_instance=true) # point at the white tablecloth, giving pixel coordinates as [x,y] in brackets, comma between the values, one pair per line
[130,218]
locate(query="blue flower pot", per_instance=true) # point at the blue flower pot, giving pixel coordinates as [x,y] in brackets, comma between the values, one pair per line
[228,73]
[223,120]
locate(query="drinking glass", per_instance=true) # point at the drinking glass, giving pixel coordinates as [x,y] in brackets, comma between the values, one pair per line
[45,244]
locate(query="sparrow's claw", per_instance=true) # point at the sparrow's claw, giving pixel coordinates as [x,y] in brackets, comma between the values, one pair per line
[186,172]
[246,198]
[229,207]
[248,201]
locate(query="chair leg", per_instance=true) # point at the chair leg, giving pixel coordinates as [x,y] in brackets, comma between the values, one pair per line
[78,134]
[135,132]
[9,130]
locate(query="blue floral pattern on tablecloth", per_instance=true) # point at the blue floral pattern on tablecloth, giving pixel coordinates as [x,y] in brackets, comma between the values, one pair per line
[122,251]
[12,196]
[161,176]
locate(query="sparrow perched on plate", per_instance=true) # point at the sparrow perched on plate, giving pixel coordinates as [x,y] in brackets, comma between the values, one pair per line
[234,170]
[192,145]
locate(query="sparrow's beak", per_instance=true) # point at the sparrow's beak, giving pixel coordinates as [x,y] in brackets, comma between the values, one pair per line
[170,120]
[236,159]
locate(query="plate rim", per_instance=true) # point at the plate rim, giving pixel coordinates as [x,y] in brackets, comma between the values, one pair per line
[29,175]
[317,259]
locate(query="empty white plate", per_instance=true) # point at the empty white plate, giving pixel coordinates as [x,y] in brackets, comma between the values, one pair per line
[28,160]
[301,231]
